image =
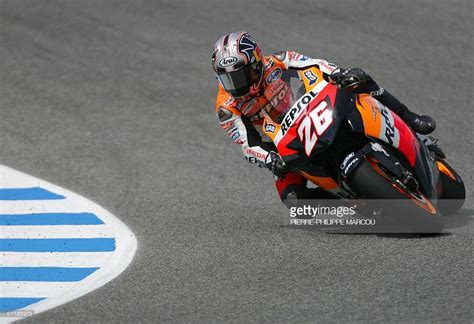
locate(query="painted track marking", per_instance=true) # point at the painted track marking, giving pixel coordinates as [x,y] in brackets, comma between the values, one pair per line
[55,245]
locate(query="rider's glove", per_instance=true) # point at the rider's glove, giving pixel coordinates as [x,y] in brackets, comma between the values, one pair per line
[354,78]
[275,163]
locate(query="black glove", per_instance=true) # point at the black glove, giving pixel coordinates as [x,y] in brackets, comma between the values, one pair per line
[275,163]
[421,124]
[354,78]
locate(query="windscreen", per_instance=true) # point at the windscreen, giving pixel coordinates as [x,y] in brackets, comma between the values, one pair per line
[282,93]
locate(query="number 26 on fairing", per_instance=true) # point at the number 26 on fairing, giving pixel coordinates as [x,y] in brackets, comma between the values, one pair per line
[321,118]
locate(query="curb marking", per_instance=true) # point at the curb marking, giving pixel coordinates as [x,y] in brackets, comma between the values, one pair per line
[55,245]
[50,219]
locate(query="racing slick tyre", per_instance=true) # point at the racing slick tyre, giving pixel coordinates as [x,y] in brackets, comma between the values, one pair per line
[453,191]
[398,209]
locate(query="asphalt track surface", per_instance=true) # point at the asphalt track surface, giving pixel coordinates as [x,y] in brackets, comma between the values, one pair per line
[114,100]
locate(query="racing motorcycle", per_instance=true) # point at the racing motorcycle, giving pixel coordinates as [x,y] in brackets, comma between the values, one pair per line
[356,148]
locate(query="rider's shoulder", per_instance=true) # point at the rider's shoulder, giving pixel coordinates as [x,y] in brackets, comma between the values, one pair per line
[289,55]
[225,100]
[280,55]
[227,111]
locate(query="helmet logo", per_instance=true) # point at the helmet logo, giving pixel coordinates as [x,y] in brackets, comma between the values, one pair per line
[227,61]
[247,46]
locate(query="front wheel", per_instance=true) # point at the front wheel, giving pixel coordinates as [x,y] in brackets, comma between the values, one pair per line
[400,208]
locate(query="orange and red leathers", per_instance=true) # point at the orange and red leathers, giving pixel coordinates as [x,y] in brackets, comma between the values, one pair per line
[242,120]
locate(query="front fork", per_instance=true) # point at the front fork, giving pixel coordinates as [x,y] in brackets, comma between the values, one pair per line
[375,153]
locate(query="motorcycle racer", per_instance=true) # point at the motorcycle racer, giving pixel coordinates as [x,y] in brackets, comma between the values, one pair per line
[248,87]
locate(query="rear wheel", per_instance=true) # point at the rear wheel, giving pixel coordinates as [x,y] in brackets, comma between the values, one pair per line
[401,209]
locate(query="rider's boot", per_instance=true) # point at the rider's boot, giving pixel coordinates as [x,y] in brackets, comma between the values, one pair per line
[421,124]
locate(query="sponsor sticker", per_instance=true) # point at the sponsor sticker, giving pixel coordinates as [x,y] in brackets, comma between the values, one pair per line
[235,135]
[389,126]
[270,128]
[300,104]
[274,75]
[256,154]
[312,78]
[269,64]
[349,163]
[254,160]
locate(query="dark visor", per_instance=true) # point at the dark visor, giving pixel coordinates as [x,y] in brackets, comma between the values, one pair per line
[238,83]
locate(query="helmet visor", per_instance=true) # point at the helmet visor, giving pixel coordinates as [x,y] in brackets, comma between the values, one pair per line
[238,83]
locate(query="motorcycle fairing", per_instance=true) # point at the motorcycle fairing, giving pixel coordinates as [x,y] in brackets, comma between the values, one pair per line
[381,123]
[365,115]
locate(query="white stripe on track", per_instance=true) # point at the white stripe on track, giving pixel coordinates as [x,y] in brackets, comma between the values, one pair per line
[59,231]
[35,289]
[43,206]
[55,259]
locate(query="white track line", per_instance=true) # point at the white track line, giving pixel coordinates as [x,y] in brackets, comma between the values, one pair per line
[70,259]
[45,206]
[60,231]
[35,289]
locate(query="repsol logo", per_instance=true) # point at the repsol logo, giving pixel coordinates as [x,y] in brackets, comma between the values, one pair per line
[390,128]
[227,61]
[291,115]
